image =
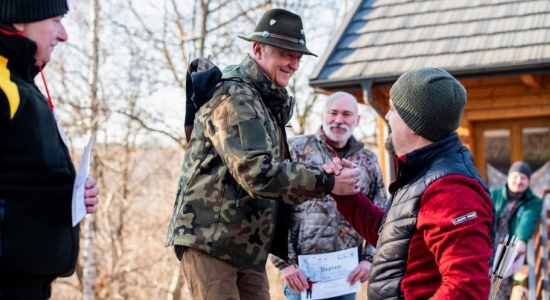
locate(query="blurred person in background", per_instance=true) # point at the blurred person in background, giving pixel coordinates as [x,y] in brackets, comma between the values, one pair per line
[517,213]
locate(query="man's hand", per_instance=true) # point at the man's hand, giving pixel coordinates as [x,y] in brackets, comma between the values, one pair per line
[294,278]
[91,193]
[347,183]
[361,273]
[336,165]
[347,176]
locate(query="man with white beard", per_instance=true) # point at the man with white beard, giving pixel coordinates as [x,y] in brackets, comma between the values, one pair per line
[316,226]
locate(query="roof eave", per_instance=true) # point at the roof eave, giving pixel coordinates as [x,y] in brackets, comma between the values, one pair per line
[460,73]
[336,37]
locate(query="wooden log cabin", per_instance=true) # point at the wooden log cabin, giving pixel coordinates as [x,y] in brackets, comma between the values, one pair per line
[498,49]
[500,52]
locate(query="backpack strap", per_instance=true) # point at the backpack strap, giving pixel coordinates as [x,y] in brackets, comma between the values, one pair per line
[201,80]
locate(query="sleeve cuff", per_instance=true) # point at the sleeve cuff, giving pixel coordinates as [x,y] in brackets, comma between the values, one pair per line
[329,185]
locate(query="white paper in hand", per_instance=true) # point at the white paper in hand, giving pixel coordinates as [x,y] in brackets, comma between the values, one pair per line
[78,205]
[328,273]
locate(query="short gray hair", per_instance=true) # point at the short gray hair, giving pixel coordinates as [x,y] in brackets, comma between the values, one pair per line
[336,96]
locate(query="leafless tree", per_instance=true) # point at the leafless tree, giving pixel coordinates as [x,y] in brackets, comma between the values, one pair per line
[88,228]
[123,76]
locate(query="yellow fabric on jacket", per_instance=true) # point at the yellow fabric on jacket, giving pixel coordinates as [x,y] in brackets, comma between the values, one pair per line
[8,87]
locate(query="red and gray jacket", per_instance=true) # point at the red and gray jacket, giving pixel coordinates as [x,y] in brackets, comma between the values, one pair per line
[436,239]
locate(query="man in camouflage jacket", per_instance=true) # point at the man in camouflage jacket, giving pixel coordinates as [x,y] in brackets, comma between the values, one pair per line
[316,226]
[237,178]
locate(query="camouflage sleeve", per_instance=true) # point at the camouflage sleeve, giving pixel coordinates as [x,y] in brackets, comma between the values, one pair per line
[278,262]
[293,233]
[292,256]
[377,191]
[238,129]
[367,252]
[295,223]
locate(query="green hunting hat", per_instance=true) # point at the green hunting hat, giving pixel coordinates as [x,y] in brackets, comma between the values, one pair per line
[28,11]
[280,28]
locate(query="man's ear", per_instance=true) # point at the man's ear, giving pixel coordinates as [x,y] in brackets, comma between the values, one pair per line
[19,26]
[257,48]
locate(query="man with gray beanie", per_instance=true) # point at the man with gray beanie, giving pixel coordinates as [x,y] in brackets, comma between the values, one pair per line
[37,240]
[517,212]
[435,238]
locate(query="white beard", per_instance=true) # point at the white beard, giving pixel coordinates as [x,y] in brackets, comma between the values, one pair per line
[338,138]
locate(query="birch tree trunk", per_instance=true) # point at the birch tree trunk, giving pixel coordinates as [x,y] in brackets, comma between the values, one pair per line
[89,269]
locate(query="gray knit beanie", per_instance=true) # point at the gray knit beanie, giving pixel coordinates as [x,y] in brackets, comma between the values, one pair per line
[520,167]
[430,101]
[28,11]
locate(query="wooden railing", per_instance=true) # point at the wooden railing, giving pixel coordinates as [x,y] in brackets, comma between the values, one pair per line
[537,258]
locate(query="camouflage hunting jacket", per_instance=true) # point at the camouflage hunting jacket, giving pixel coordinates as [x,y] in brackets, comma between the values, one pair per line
[236,172]
[316,226]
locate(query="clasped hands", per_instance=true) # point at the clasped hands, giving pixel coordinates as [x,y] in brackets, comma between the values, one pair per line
[346,174]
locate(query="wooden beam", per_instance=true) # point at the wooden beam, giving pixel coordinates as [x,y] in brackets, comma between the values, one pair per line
[534,81]
[508,102]
[383,156]
[506,113]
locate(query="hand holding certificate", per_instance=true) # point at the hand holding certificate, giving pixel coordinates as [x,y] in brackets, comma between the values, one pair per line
[327,274]
[79,205]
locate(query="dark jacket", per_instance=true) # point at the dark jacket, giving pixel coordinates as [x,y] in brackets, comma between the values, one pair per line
[435,240]
[36,172]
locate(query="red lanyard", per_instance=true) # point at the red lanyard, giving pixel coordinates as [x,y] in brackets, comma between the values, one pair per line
[11,33]
[19,33]
[46,87]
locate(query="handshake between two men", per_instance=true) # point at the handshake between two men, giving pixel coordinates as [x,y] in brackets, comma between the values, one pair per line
[346,176]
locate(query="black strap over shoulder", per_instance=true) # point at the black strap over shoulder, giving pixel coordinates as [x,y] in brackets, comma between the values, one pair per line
[201,80]
[202,77]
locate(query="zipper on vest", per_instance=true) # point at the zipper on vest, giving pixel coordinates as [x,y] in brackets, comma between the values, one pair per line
[389,203]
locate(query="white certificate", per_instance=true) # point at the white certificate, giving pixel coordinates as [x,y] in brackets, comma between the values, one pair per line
[328,273]
[78,205]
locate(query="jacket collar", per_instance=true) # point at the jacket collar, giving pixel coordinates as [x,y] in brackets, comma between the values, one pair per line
[19,51]
[278,100]
[408,165]
[353,144]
